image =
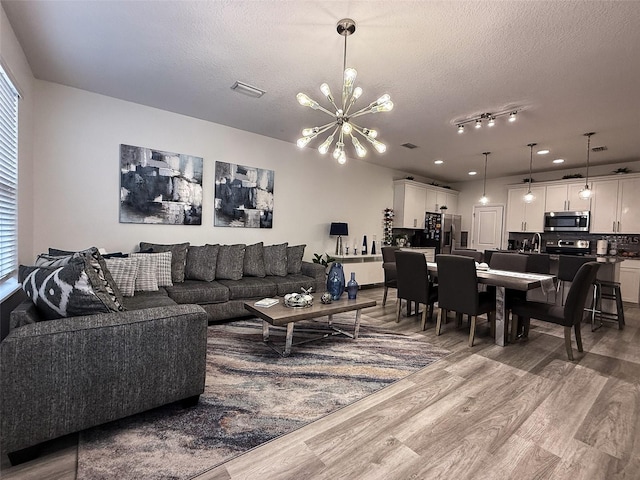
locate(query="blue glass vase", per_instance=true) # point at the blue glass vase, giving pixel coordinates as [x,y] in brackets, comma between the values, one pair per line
[352,287]
[335,281]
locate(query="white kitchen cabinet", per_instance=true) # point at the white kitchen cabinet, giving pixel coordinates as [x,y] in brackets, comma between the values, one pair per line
[412,199]
[614,206]
[525,217]
[630,281]
[565,197]
[409,204]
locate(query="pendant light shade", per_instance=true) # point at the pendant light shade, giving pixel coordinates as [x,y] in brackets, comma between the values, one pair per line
[484,200]
[529,196]
[586,192]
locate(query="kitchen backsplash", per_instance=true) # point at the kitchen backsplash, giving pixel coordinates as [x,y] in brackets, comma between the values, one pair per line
[626,245]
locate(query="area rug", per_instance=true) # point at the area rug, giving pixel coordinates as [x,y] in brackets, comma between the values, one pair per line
[252,395]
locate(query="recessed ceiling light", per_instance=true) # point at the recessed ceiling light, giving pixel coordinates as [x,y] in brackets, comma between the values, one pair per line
[559,160]
[542,152]
[473,173]
[439,162]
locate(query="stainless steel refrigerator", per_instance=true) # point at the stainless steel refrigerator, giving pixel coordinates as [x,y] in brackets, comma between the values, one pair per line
[442,231]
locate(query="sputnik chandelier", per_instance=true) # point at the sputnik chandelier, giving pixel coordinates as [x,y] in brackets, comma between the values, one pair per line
[342,123]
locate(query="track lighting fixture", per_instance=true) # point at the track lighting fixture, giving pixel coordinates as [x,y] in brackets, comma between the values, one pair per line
[489,117]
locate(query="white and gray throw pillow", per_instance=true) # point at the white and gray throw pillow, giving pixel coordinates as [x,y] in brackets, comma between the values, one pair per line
[124,271]
[146,273]
[178,257]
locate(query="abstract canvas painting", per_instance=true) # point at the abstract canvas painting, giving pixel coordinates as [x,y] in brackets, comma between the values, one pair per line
[160,187]
[243,196]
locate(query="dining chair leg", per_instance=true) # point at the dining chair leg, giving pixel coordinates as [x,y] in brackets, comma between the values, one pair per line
[458,319]
[526,323]
[442,313]
[424,316]
[578,337]
[472,330]
[567,342]
[409,308]
[398,309]
[514,328]
[492,325]
[384,296]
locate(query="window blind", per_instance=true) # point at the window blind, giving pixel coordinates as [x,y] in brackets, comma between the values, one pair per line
[8,177]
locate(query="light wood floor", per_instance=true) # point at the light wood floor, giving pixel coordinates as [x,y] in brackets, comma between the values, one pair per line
[482,413]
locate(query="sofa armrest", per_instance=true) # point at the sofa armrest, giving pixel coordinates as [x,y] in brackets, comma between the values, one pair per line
[62,376]
[318,272]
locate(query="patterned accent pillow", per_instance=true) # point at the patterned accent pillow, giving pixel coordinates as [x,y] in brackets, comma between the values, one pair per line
[294,258]
[163,267]
[201,263]
[66,291]
[95,260]
[275,260]
[178,257]
[254,261]
[123,270]
[230,262]
[147,272]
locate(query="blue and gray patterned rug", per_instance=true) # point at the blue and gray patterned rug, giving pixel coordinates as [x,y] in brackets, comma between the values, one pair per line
[252,396]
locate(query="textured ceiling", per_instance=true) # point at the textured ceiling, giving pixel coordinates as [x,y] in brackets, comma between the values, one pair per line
[573,66]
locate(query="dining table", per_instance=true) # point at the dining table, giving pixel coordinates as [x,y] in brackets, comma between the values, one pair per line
[503,279]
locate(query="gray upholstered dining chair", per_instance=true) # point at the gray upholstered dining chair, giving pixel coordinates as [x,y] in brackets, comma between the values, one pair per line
[389,267]
[569,315]
[413,283]
[513,262]
[458,292]
[464,252]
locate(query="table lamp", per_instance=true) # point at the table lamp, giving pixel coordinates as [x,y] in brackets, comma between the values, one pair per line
[339,229]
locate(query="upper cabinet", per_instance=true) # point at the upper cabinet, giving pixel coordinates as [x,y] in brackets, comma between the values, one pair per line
[563,198]
[525,217]
[412,199]
[612,206]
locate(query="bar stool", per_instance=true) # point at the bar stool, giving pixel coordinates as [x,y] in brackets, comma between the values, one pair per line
[608,291]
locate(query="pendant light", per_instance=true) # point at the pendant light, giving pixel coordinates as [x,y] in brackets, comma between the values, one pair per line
[484,200]
[529,196]
[586,192]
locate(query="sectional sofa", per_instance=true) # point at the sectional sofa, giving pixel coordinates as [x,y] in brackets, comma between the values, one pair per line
[103,338]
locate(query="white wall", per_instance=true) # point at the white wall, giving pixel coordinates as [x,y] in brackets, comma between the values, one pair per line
[17,67]
[76,199]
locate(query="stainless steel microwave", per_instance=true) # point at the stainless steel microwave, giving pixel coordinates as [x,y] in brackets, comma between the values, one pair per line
[566,221]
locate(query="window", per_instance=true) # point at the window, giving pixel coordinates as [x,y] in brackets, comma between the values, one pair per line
[8,177]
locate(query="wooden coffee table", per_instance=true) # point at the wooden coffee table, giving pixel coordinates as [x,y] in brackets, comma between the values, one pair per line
[280,316]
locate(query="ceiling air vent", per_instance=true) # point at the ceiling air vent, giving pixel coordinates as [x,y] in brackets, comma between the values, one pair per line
[599,149]
[410,146]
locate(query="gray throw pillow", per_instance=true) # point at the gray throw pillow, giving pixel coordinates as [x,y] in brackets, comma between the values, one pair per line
[178,257]
[202,262]
[294,259]
[66,291]
[275,260]
[230,263]
[254,260]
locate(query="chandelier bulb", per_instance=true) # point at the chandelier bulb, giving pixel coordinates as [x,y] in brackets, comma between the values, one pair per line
[357,92]
[324,146]
[347,128]
[383,99]
[304,141]
[342,158]
[379,146]
[350,75]
[326,91]
[360,150]
[309,131]
[385,107]
[370,133]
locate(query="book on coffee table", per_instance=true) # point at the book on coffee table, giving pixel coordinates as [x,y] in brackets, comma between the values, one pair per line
[267,302]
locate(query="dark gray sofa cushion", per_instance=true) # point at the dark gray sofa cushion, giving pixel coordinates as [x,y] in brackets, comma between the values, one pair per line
[292,283]
[201,263]
[294,258]
[196,291]
[230,262]
[249,287]
[275,259]
[178,257]
[254,261]
[142,300]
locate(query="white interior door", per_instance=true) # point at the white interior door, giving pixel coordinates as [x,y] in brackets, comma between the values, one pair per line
[487,227]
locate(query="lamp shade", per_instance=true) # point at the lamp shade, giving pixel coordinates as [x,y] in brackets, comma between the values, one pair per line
[339,228]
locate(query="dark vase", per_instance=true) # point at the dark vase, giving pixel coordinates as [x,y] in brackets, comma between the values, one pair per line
[352,287]
[335,281]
